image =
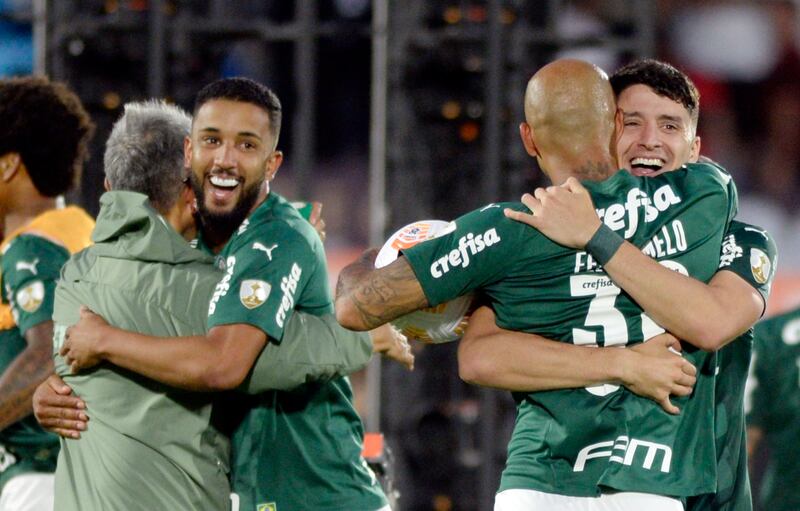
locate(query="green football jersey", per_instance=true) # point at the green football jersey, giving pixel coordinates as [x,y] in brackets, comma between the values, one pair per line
[30,269]
[31,261]
[298,449]
[749,252]
[774,406]
[575,441]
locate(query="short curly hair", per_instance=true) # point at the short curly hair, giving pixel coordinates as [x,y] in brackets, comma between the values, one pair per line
[244,90]
[47,125]
[664,79]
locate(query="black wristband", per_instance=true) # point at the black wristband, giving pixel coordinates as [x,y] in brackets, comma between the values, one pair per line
[604,244]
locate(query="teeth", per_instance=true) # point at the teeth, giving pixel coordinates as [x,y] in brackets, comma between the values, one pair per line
[223,182]
[649,162]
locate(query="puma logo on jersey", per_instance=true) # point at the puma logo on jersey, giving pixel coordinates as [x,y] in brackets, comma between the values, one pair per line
[289,287]
[615,215]
[759,231]
[268,251]
[25,265]
[468,245]
[489,206]
[623,450]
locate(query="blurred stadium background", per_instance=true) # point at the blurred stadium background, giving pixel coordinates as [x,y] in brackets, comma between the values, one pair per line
[403,110]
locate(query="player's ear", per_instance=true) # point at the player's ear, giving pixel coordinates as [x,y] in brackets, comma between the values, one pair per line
[694,154]
[526,134]
[187,152]
[9,165]
[106,184]
[273,163]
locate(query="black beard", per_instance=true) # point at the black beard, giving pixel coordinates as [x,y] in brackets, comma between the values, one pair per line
[218,228]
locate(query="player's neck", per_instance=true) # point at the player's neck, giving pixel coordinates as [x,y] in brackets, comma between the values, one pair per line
[594,167]
[24,211]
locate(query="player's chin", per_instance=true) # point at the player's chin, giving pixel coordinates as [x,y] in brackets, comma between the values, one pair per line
[647,172]
[222,202]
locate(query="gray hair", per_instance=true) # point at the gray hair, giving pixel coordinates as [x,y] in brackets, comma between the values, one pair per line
[144,152]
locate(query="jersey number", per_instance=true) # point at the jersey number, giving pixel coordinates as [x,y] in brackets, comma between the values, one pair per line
[603,313]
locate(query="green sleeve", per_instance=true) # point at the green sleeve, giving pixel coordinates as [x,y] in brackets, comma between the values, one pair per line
[750,252]
[264,280]
[30,267]
[471,253]
[314,348]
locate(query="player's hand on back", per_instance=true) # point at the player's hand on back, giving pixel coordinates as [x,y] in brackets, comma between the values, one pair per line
[658,371]
[58,410]
[390,343]
[565,213]
[81,349]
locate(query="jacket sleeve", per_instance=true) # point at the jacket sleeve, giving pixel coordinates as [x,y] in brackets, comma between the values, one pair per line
[314,348]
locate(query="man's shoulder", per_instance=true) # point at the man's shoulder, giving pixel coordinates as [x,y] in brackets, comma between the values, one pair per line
[492,215]
[702,173]
[34,254]
[269,228]
[268,236]
[745,231]
[31,243]
[489,225]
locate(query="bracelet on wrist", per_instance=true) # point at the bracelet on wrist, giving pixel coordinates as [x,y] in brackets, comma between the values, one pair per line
[604,244]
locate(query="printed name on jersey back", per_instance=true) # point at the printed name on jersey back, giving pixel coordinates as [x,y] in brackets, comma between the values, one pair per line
[626,216]
[669,241]
[470,244]
[223,285]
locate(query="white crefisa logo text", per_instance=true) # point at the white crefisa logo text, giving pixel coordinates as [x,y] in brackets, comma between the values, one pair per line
[468,245]
[623,450]
[615,215]
[223,285]
[289,287]
[730,251]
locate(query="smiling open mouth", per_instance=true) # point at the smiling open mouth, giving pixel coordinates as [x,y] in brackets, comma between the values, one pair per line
[644,166]
[223,182]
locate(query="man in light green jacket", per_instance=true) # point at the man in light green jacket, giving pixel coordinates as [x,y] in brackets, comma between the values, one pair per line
[151,446]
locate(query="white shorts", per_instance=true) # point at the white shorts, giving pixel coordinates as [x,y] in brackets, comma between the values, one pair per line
[532,500]
[28,492]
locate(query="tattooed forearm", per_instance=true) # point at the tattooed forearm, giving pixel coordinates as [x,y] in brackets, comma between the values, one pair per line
[379,295]
[25,373]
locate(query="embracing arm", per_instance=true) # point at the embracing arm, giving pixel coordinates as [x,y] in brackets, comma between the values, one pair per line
[705,315]
[219,360]
[317,348]
[26,372]
[367,297]
[516,361]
